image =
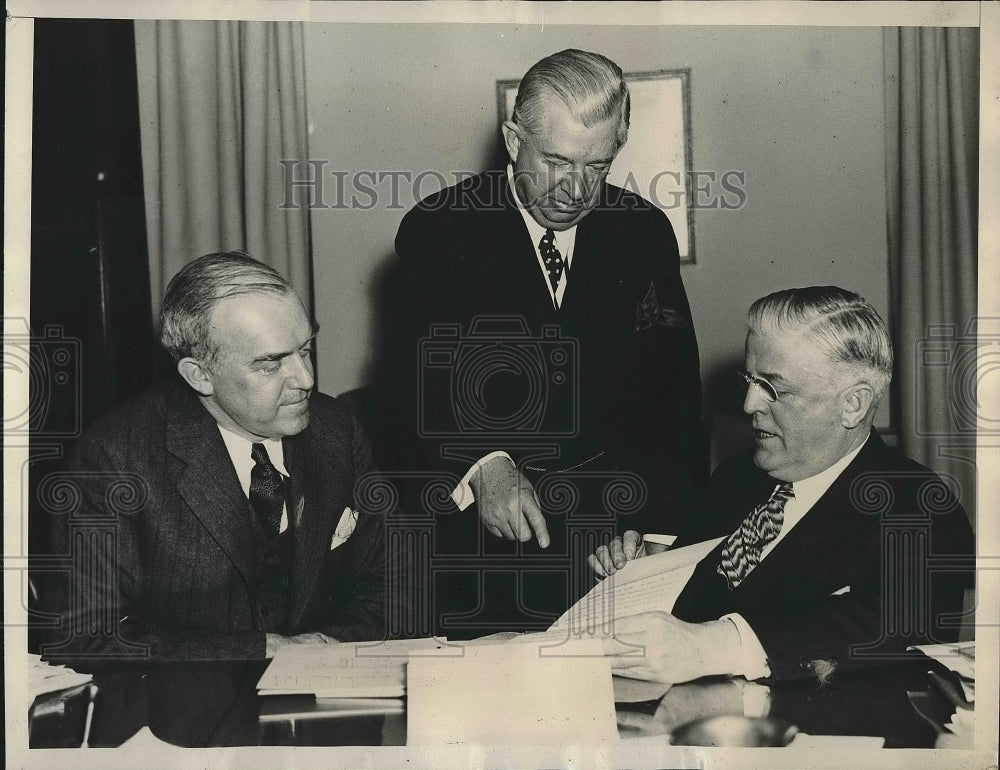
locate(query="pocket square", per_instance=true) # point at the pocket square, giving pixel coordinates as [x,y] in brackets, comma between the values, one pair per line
[345,528]
[841,591]
[649,313]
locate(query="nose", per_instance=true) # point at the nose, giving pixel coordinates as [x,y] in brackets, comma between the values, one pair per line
[754,401]
[573,184]
[301,373]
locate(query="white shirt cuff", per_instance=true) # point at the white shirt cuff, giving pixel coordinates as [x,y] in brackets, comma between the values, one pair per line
[754,659]
[462,494]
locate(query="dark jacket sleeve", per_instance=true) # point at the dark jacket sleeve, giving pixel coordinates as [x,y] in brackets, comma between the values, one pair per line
[660,434]
[104,611]
[422,289]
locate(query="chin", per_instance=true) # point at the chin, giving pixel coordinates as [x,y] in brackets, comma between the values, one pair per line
[294,426]
[764,460]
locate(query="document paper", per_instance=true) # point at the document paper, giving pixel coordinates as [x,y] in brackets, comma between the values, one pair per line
[368,670]
[509,694]
[644,585]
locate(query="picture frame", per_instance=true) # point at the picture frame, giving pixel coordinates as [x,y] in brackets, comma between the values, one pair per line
[656,160]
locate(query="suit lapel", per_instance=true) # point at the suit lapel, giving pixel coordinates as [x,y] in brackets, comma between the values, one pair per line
[209,484]
[812,549]
[515,258]
[319,490]
[808,553]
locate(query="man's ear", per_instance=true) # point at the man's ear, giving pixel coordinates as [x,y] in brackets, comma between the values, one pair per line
[197,375]
[859,401]
[511,139]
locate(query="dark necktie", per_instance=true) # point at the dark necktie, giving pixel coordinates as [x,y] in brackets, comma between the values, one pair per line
[742,549]
[551,257]
[267,491]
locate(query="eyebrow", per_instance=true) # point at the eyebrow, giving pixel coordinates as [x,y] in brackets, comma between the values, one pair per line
[773,377]
[269,357]
[557,156]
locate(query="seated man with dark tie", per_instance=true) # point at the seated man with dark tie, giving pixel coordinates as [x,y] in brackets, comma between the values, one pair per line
[837,551]
[543,352]
[223,514]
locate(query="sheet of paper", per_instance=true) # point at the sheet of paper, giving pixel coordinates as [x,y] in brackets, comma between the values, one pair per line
[307,707]
[503,694]
[959,657]
[45,678]
[362,670]
[643,585]
[842,745]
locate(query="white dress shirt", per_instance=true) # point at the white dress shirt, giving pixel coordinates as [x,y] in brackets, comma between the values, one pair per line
[239,452]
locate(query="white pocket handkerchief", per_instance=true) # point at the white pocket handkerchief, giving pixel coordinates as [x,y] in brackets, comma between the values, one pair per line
[345,527]
[841,591]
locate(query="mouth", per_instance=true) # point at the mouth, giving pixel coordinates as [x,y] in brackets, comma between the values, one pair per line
[565,208]
[762,435]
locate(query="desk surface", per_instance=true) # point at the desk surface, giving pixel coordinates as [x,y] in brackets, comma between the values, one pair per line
[198,704]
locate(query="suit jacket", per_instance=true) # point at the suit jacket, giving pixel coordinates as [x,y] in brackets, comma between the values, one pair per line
[166,554]
[888,529]
[605,387]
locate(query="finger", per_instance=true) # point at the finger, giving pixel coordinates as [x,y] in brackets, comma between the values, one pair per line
[634,720]
[601,557]
[494,531]
[632,544]
[533,513]
[506,530]
[617,553]
[502,521]
[595,565]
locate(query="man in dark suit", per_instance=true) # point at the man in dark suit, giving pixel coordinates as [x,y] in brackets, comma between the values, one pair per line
[224,515]
[544,351]
[837,551]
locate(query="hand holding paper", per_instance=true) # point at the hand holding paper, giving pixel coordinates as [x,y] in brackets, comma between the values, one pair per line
[610,558]
[658,647]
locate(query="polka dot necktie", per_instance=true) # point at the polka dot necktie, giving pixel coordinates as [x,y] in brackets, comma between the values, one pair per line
[742,549]
[551,257]
[267,490]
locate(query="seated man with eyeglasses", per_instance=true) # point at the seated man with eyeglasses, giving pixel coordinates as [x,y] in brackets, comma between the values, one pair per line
[837,551]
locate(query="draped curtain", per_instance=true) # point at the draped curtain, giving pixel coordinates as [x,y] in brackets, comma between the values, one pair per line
[932,130]
[221,103]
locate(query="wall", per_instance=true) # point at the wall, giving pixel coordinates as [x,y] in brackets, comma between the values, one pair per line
[798,110]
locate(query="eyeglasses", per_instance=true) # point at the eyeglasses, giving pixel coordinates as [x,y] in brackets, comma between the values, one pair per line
[767,389]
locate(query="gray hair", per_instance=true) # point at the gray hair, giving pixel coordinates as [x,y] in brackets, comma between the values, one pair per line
[590,85]
[185,328]
[843,323]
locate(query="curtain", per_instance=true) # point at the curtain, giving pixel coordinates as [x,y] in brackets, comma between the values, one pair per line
[221,104]
[932,130]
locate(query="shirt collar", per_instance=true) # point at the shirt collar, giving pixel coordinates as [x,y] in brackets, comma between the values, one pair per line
[239,450]
[815,486]
[565,239]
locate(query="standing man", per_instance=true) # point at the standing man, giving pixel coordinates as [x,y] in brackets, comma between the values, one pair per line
[838,552]
[544,353]
[223,514]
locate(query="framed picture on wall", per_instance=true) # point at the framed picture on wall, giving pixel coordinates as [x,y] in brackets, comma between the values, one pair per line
[656,160]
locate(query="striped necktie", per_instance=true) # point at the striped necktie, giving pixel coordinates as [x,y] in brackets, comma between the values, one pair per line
[742,549]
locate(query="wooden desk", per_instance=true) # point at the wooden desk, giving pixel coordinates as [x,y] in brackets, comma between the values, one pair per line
[203,704]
